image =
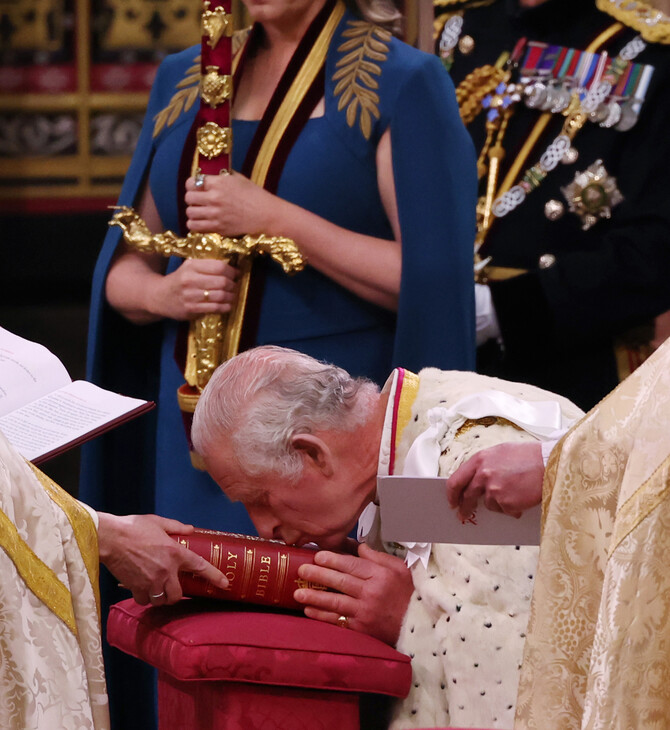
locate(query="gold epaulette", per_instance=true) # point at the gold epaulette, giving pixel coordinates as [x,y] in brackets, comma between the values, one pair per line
[652,24]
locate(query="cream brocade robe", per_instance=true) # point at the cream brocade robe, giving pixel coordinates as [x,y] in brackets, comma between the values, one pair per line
[466,621]
[598,649]
[51,669]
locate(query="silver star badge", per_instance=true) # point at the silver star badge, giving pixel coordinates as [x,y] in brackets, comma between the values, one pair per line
[592,194]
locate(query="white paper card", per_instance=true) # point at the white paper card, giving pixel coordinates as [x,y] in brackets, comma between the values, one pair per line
[415,509]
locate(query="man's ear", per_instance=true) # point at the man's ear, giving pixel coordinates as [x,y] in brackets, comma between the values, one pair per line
[315,451]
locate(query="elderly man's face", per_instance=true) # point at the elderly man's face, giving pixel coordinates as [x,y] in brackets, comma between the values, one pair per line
[316,508]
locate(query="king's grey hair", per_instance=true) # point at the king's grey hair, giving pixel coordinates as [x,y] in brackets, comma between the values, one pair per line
[258,400]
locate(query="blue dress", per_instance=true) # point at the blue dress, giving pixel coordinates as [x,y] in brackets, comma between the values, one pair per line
[330,171]
[145,466]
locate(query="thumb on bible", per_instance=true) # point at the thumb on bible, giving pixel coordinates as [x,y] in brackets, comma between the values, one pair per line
[138,550]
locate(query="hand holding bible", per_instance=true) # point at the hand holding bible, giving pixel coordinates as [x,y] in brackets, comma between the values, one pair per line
[138,550]
[373,591]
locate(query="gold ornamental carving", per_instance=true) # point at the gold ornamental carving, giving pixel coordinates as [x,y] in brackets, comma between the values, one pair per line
[150,24]
[213,140]
[213,338]
[215,24]
[33,25]
[215,88]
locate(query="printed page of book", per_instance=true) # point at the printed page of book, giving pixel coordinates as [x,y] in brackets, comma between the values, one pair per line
[71,415]
[415,509]
[27,371]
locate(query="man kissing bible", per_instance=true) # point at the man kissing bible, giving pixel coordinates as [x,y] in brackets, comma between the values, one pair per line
[300,443]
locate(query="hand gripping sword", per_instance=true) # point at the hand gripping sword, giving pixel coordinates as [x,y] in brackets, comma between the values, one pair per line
[212,338]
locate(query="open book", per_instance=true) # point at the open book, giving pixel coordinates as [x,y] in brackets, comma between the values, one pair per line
[42,412]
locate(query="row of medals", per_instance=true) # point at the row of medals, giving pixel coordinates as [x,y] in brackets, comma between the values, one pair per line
[538,92]
[556,96]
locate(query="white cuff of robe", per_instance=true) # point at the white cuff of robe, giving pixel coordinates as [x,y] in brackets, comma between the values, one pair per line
[485,315]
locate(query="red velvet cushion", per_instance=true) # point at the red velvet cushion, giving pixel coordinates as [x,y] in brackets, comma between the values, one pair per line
[205,641]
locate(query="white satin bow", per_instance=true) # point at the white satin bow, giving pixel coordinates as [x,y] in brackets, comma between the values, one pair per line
[542,419]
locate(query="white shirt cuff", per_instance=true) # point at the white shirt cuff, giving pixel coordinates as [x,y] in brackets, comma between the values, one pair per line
[486,319]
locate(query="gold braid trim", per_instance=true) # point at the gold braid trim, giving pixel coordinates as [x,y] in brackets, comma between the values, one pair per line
[486,421]
[83,529]
[355,81]
[640,504]
[38,576]
[474,87]
[635,14]
[182,101]
[410,388]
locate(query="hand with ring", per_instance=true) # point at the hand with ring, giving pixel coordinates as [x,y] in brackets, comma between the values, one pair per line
[145,559]
[199,181]
[370,593]
[196,287]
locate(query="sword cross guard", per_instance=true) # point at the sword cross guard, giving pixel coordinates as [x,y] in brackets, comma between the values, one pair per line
[212,338]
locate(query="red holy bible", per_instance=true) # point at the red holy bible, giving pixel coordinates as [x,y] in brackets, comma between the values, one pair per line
[259,571]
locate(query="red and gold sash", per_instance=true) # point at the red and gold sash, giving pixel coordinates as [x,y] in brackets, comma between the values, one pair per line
[209,144]
[298,92]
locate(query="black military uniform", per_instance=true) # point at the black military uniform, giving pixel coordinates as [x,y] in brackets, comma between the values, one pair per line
[574,295]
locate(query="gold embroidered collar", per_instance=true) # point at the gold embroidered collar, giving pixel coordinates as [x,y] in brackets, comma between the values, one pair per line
[652,24]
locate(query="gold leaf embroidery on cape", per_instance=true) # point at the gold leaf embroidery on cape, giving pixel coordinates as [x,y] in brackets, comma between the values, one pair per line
[182,101]
[366,48]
